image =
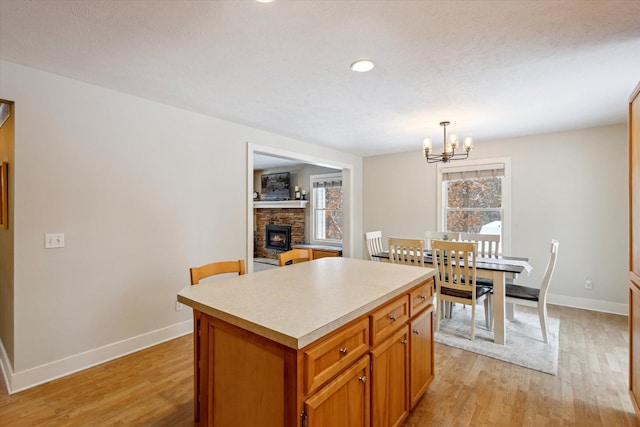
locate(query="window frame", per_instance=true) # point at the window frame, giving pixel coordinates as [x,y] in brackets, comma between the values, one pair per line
[475,165]
[333,176]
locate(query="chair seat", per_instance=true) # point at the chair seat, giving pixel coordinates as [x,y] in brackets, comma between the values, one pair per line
[480,291]
[522,292]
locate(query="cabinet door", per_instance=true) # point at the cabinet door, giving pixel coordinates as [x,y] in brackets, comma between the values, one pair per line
[389,380]
[344,402]
[421,369]
[243,379]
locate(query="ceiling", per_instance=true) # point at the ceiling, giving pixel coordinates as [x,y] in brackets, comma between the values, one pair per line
[495,69]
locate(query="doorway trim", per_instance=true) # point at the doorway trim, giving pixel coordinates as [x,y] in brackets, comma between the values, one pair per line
[347,185]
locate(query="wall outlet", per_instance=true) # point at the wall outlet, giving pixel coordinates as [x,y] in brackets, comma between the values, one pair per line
[588,284]
[179,306]
[53,240]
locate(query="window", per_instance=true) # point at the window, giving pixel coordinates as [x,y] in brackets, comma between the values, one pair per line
[474,197]
[326,202]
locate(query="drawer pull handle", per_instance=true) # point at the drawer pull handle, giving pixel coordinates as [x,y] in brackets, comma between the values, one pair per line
[344,350]
[362,379]
[403,341]
[392,317]
[415,331]
[423,297]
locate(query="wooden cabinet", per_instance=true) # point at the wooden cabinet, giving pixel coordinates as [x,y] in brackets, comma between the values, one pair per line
[421,340]
[320,251]
[343,402]
[390,380]
[324,360]
[370,371]
[634,248]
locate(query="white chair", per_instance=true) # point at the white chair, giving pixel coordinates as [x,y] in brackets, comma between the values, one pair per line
[440,235]
[534,297]
[374,244]
[488,244]
[456,281]
[406,251]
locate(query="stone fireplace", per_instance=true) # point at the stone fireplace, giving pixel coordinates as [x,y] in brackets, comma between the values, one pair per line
[287,217]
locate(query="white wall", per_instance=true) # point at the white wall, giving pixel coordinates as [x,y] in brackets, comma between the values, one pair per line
[571,186]
[142,191]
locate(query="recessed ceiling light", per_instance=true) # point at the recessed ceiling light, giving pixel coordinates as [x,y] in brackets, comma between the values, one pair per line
[264,1]
[362,65]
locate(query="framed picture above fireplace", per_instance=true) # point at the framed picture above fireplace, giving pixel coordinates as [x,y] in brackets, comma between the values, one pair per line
[275,186]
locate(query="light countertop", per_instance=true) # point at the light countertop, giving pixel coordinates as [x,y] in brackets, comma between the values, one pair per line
[297,304]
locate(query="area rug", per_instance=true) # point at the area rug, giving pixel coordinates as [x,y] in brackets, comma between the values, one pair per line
[524,345]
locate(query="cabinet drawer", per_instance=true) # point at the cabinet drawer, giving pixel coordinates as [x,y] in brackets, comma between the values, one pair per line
[388,318]
[421,297]
[325,359]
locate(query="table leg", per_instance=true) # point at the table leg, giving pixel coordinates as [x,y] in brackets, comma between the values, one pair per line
[499,330]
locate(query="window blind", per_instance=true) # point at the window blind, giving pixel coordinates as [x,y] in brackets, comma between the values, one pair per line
[489,170]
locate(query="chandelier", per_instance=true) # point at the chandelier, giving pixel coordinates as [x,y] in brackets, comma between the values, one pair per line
[448,149]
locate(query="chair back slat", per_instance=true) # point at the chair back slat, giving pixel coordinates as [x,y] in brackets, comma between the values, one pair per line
[406,251]
[455,264]
[488,244]
[374,244]
[214,268]
[295,256]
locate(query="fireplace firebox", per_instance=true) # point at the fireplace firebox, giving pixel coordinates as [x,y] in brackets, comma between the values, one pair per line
[278,237]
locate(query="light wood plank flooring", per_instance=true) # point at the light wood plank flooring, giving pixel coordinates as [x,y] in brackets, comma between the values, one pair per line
[153,387]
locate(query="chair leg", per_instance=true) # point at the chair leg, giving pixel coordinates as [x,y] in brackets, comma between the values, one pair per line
[542,312]
[473,320]
[487,311]
[439,313]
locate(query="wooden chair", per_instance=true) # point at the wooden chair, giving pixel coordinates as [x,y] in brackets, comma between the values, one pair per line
[197,274]
[295,256]
[374,244]
[456,281]
[534,297]
[488,244]
[440,235]
[406,251]
[220,267]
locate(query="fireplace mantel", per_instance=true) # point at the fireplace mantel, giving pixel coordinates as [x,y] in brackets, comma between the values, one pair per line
[283,204]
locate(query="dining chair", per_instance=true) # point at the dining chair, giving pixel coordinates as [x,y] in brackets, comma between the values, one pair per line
[488,244]
[374,244]
[295,256]
[197,274]
[440,235]
[214,268]
[455,264]
[535,297]
[406,251]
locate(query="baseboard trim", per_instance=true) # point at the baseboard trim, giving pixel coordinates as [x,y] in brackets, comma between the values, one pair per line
[19,381]
[589,304]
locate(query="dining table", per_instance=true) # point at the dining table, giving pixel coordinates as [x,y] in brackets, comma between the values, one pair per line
[498,269]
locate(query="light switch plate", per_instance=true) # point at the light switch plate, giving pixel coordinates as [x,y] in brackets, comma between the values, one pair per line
[54,240]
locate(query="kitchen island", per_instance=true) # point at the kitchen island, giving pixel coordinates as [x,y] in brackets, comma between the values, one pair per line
[334,341]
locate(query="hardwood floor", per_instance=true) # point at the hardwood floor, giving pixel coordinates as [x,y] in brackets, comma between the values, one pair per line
[153,387]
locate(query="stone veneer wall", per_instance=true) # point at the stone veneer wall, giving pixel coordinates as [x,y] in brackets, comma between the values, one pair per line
[270,216]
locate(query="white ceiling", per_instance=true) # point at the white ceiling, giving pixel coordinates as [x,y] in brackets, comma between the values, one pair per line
[495,69]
